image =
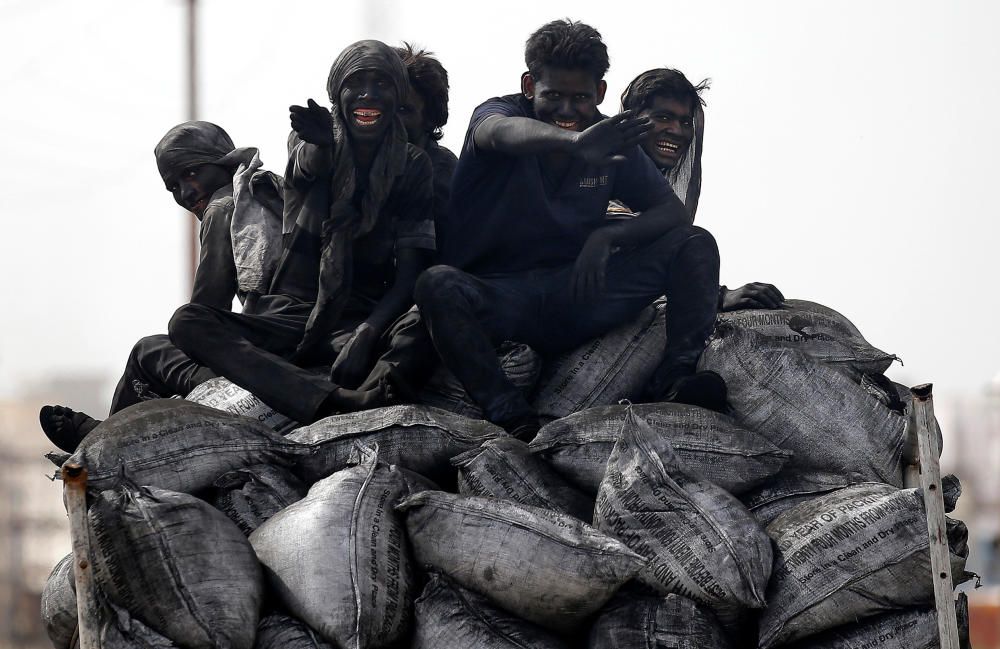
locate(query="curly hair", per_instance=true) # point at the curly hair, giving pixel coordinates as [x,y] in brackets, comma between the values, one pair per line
[662,82]
[429,78]
[569,45]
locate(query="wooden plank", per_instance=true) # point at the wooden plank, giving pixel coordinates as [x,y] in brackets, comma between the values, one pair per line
[87,609]
[922,413]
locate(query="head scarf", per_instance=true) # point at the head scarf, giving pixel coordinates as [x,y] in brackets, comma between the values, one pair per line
[685,176]
[343,223]
[196,143]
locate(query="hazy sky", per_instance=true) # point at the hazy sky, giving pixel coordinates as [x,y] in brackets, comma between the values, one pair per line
[850,151]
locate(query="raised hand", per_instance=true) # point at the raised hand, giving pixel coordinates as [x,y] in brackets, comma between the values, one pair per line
[602,143]
[755,295]
[313,123]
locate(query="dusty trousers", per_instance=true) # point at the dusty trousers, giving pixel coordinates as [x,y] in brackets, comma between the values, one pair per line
[156,368]
[253,351]
[468,315]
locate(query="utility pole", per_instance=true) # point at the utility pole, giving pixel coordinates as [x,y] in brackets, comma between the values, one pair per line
[192,113]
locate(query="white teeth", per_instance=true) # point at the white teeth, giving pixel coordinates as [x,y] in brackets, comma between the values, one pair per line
[670,146]
[365,117]
[565,124]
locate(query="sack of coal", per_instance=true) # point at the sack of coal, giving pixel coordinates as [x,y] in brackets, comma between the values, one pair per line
[222,394]
[605,370]
[708,444]
[788,489]
[176,564]
[279,631]
[178,445]
[338,559]
[520,364]
[451,617]
[911,629]
[119,630]
[59,604]
[815,330]
[822,415]
[420,438]
[548,568]
[254,494]
[849,555]
[505,468]
[637,620]
[701,542]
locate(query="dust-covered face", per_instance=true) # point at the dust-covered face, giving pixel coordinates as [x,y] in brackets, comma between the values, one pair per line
[411,111]
[564,98]
[368,101]
[673,130]
[194,186]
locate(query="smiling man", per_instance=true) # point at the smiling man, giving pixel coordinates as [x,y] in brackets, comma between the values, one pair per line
[529,251]
[359,230]
[675,107]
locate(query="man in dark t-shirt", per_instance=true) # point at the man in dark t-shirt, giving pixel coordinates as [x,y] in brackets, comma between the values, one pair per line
[530,256]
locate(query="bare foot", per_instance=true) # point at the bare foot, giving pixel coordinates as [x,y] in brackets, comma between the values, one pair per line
[342,400]
[65,427]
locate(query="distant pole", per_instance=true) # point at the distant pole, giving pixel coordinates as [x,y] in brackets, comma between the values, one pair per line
[192,113]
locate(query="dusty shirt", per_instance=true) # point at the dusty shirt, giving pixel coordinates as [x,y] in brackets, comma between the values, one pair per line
[507,214]
[215,280]
[406,221]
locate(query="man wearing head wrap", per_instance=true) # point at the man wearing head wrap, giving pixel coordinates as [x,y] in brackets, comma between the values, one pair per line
[676,108]
[358,229]
[239,207]
[411,358]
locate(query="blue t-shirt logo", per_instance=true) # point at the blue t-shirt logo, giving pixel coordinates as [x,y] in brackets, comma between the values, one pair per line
[593,181]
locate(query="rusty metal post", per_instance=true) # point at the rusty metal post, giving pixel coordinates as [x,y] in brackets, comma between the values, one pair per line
[87,609]
[926,429]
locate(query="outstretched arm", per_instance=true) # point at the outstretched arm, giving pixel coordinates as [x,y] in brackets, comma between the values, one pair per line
[598,144]
[313,155]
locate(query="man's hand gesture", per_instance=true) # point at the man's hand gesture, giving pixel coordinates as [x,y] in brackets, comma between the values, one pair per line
[313,123]
[601,143]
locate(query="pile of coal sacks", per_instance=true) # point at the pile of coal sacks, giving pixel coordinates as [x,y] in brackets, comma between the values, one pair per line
[218,523]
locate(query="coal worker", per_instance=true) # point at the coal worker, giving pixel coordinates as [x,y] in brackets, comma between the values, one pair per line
[425,112]
[359,230]
[676,108]
[201,167]
[528,250]
[411,358]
